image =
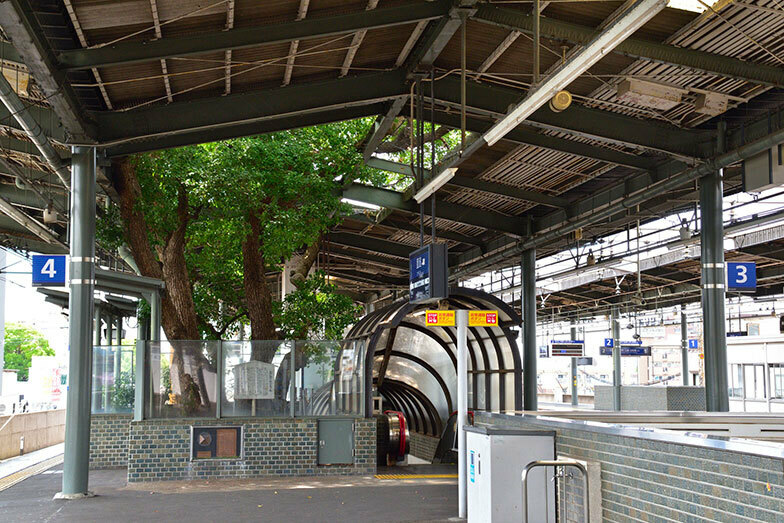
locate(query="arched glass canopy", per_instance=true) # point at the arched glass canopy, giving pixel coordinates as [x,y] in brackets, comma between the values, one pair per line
[414,367]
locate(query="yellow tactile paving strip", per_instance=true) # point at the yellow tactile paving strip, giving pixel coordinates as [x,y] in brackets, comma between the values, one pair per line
[23,474]
[416,476]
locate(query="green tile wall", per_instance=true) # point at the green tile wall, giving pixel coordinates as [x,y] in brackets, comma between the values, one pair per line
[160,450]
[109,440]
[650,480]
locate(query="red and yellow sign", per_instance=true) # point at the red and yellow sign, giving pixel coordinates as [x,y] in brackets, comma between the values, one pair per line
[440,318]
[483,318]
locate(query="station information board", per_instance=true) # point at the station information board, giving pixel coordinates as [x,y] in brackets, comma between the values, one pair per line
[627,350]
[428,274]
[254,380]
[568,348]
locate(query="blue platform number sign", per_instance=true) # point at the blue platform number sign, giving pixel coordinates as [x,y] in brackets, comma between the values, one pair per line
[742,276]
[608,342]
[694,343]
[48,271]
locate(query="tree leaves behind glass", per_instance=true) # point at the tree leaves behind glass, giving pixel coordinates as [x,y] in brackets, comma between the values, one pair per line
[21,344]
[315,311]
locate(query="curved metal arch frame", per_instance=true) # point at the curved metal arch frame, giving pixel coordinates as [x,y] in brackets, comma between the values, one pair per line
[370,327]
[420,400]
[428,368]
[405,405]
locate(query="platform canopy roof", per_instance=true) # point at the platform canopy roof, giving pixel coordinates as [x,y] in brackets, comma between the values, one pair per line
[139,75]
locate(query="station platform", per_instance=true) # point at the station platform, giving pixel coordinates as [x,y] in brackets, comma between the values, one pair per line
[413,493]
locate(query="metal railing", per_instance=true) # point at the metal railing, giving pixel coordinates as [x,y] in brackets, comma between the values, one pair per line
[555,463]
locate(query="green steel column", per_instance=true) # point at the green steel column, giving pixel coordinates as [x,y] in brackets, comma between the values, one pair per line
[684,347]
[575,399]
[713,293]
[615,328]
[80,317]
[530,352]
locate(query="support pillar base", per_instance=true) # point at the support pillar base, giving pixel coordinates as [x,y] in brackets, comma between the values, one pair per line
[73,497]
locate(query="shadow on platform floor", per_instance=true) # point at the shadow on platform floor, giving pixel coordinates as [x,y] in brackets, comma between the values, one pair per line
[290,500]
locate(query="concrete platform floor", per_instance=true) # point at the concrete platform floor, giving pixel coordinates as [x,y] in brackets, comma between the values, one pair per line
[289,499]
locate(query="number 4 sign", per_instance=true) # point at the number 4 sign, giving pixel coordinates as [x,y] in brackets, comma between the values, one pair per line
[48,270]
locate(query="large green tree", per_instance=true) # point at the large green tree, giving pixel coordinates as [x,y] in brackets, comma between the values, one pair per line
[217,221]
[21,344]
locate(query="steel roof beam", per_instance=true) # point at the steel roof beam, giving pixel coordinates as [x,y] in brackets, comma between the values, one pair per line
[591,123]
[479,185]
[410,227]
[305,29]
[225,111]
[369,243]
[21,26]
[368,258]
[527,136]
[447,210]
[265,126]
[636,48]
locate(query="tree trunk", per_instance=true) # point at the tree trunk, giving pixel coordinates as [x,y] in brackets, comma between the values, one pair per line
[300,272]
[258,299]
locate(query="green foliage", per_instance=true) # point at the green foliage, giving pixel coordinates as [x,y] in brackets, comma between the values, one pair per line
[21,344]
[315,311]
[124,391]
[290,179]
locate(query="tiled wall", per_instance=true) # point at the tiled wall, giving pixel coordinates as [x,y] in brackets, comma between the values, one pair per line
[654,480]
[423,447]
[646,399]
[109,440]
[160,450]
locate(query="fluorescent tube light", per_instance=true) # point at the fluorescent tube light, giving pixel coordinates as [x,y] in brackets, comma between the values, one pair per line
[614,34]
[435,184]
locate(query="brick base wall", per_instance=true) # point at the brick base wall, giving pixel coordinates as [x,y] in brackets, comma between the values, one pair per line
[654,480]
[423,447]
[160,450]
[109,440]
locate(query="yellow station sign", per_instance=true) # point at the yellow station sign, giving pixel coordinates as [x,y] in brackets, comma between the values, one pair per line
[483,318]
[448,318]
[440,318]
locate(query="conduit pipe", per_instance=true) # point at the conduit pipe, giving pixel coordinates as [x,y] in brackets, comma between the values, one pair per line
[33,131]
[655,189]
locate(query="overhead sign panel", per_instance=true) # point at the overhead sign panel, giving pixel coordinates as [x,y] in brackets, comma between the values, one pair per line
[428,273]
[483,318]
[694,343]
[440,318]
[569,348]
[742,276]
[627,350]
[48,271]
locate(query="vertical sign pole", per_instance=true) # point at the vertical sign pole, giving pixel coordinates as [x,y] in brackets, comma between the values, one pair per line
[575,398]
[462,406]
[616,352]
[684,347]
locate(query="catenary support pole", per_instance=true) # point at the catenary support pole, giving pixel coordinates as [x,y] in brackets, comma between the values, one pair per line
[76,462]
[684,347]
[616,352]
[461,317]
[713,293]
[530,351]
[575,399]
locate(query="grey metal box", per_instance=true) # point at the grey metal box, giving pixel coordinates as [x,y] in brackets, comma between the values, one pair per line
[495,459]
[335,441]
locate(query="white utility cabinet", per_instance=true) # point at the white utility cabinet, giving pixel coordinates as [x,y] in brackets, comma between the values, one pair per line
[495,458]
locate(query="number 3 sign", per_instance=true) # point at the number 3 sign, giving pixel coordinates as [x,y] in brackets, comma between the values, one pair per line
[48,271]
[741,276]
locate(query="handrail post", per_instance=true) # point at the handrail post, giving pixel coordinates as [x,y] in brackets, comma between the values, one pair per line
[555,463]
